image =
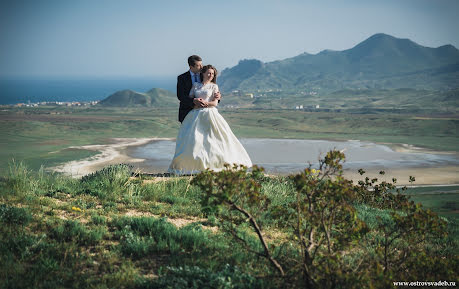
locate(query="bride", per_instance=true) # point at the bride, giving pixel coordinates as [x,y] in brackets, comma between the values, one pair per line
[205,140]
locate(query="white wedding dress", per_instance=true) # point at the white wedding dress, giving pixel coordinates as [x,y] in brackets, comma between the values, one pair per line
[205,140]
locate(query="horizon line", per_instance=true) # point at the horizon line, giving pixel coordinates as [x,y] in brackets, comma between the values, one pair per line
[83,76]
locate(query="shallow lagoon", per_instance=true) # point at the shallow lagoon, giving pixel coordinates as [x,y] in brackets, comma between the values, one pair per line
[284,156]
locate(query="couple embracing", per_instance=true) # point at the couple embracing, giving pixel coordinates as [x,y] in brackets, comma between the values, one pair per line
[205,140]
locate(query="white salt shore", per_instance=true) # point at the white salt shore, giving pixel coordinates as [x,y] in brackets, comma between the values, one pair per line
[109,154]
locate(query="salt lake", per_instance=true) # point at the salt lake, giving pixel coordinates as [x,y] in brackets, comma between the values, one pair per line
[284,156]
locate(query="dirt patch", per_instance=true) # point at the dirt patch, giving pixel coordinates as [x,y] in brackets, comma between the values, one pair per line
[155,180]
[178,222]
[66,215]
[59,202]
[213,229]
[150,276]
[135,213]
[181,222]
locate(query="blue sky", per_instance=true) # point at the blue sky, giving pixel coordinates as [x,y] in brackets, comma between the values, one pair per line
[106,38]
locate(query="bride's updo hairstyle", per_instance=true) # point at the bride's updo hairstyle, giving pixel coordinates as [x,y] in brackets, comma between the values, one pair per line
[207,67]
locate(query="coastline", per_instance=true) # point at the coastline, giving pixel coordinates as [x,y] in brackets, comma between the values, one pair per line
[110,154]
[407,148]
[116,153]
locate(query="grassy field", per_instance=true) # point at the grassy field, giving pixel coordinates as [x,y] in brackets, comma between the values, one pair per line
[111,230]
[438,133]
[42,136]
[443,200]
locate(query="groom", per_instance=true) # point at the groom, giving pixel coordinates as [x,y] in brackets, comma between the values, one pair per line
[184,83]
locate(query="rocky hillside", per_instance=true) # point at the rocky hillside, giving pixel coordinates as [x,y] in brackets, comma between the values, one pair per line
[381,61]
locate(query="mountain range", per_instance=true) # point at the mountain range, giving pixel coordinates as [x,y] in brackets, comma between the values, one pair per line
[381,61]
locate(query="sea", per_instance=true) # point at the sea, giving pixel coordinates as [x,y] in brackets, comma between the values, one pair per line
[33,90]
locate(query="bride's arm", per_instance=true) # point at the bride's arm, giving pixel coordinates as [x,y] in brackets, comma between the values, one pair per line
[214,101]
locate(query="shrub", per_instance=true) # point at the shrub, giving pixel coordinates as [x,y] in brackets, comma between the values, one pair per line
[98,220]
[19,179]
[140,236]
[13,216]
[109,183]
[380,195]
[74,231]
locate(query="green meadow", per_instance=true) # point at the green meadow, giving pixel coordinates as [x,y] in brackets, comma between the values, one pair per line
[443,200]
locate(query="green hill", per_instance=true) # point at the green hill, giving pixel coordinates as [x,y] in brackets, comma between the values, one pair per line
[382,61]
[130,98]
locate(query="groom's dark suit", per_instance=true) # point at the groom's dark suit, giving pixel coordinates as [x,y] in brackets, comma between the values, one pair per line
[184,85]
